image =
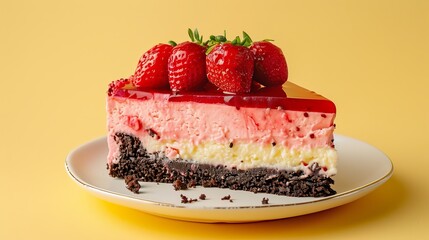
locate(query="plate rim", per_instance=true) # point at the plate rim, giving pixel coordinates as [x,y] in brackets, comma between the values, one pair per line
[84,184]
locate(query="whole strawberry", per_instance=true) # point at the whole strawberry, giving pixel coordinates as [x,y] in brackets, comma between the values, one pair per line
[230,67]
[151,71]
[187,67]
[270,64]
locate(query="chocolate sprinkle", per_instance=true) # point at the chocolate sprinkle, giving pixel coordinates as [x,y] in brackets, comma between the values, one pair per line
[133,159]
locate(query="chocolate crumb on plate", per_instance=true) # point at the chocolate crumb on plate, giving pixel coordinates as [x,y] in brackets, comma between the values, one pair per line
[265,200]
[185,199]
[226,197]
[202,196]
[132,183]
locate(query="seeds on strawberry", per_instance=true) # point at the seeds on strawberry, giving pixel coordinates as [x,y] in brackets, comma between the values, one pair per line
[187,67]
[230,67]
[270,64]
[151,71]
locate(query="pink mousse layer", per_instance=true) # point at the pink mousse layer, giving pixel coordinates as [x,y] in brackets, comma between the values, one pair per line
[197,122]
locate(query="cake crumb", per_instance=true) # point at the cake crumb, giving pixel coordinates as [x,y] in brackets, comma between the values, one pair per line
[228,197]
[202,196]
[132,183]
[265,200]
[185,199]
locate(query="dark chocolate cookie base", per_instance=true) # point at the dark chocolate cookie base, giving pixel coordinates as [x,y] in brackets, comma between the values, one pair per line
[136,162]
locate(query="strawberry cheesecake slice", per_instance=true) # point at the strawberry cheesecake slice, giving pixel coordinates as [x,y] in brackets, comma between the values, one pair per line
[275,140]
[220,114]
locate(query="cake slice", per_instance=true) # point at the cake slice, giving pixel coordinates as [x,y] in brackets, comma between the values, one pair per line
[223,118]
[276,140]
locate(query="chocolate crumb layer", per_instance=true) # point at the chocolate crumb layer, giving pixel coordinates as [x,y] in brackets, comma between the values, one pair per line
[134,160]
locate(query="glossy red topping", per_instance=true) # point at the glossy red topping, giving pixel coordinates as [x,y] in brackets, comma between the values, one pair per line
[288,97]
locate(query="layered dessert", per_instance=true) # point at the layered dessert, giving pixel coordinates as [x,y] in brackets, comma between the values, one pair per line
[268,135]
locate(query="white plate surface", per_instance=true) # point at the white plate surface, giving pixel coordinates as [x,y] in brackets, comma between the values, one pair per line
[361,169]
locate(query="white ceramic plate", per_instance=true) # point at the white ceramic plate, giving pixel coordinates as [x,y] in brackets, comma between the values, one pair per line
[361,169]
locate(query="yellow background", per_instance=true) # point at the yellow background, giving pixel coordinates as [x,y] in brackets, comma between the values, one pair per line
[57,57]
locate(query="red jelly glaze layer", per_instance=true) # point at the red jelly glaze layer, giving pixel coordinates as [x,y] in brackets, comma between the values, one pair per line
[289,97]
